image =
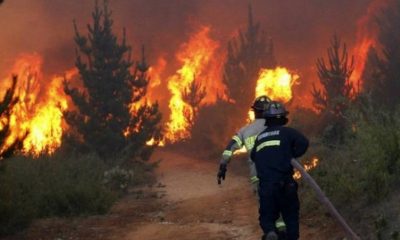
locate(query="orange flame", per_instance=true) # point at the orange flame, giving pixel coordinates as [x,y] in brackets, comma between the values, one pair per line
[38,112]
[313,164]
[153,142]
[367,33]
[196,57]
[276,84]
[155,79]
[361,52]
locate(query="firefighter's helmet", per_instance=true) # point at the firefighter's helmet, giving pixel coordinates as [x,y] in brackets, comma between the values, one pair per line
[261,103]
[275,110]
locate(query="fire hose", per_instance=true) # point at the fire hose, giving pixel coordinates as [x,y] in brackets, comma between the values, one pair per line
[324,200]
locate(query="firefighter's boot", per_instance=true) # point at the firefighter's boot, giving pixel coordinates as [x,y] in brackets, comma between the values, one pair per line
[270,236]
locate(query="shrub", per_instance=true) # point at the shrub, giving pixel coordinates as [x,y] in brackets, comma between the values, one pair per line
[359,175]
[51,186]
[118,178]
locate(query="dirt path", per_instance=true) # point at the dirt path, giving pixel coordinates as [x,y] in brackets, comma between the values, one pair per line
[197,208]
[186,204]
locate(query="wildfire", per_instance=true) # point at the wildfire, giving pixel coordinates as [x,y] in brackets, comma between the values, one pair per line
[155,79]
[38,113]
[196,57]
[153,142]
[361,52]
[307,167]
[367,33]
[276,84]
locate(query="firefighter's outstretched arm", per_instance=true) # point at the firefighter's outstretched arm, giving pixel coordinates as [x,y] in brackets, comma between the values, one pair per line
[235,144]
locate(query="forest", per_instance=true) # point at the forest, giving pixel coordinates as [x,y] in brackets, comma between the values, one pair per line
[99,130]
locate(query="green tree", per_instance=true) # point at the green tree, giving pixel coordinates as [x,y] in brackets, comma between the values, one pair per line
[105,118]
[6,105]
[334,98]
[334,77]
[247,54]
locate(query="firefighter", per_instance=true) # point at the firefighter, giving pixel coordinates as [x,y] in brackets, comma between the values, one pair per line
[272,152]
[246,137]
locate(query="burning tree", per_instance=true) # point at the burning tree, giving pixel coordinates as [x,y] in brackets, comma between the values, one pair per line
[6,105]
[193,95]
[247,54]
[197,57]
[110,116]
[337,90]
[382,73]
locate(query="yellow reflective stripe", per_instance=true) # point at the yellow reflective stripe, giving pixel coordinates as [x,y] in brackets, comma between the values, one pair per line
[238,141]
[254,179]
[249,142]
[268,144]
[280,224]
[227,153]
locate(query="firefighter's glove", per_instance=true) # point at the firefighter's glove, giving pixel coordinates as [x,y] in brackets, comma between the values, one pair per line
[221,173]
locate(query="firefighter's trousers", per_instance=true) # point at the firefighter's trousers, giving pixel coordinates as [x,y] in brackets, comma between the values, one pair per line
[279,198]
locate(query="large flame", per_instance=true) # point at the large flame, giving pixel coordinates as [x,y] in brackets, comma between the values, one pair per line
[155,72]
[361,54]
[366,38]
[196,57]
[38,113]
[276,84]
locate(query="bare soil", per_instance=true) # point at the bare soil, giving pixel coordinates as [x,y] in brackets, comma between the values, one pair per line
[185,204]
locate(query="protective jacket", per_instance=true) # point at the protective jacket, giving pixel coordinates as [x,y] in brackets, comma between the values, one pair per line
[273,150]
[245,137]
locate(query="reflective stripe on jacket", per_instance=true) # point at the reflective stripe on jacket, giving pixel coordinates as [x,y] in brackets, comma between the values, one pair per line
[246,137]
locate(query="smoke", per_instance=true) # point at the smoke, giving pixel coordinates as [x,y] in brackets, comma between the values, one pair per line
[300,29]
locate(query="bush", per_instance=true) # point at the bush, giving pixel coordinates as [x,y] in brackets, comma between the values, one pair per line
[118,179]
[376,145]
[361,173]
[51,186]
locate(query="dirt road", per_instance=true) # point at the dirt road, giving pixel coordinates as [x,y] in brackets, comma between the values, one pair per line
[185,204]
[197,208]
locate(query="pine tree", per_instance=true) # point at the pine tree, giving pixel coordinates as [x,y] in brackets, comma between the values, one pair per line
[335,96]
[193,96]
[103,117]
[334,77]
[382,70]
[247,54]
[6,105]
[370,77]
